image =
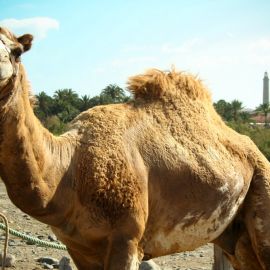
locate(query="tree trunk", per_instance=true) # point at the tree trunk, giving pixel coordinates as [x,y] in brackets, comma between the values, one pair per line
[220,260]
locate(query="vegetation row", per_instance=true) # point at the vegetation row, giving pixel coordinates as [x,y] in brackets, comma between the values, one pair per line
[57,111]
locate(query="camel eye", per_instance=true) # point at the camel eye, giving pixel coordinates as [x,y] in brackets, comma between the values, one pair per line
[17,52]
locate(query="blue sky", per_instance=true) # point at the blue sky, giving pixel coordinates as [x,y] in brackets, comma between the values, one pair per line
[86,45]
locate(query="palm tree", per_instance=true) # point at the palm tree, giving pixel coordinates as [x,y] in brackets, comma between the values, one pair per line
[265,109]
[224,109]
[236,107]
[112,94]
[44,106]
[245,117]
[85,103]
[66,103]
[66,95]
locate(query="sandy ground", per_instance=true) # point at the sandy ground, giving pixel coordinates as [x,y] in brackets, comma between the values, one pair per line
[26,255]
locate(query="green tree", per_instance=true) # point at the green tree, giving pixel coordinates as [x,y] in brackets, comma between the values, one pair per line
[95,101]
[236,106]
[84,103]
[55,112]
[44,106]
[224,109]
[66,104]
[55,125]
[245,117]
[265,109]
[66,96]
[112,94]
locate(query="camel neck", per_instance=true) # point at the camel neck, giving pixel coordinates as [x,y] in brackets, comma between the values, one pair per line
[32,160]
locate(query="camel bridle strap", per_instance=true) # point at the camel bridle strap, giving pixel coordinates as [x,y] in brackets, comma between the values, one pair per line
[11,57]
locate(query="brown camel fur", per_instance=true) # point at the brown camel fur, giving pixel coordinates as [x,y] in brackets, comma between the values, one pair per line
[158,175]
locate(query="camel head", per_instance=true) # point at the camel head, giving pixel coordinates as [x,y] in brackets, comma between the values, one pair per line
[11,48]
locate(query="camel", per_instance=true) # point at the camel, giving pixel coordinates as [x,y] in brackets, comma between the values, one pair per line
[128,182]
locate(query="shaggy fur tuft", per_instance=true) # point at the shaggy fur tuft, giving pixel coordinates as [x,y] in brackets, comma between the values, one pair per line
[155,84]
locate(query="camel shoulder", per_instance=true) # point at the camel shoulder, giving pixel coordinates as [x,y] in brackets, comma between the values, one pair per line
[104,178]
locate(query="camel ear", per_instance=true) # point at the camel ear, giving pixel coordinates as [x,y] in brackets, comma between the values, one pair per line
[26,41]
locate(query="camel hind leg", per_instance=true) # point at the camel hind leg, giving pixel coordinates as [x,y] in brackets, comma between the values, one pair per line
[236,244]
[257,214]
[244,257]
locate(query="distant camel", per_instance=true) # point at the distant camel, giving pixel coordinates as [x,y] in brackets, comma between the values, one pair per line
[158,175]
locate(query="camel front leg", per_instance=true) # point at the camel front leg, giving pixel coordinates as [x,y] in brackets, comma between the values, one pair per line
[83,263]
[123,251]
[122,254]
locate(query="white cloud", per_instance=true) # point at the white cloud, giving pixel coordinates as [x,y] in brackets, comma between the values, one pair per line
[198,54]
[25,6]
[137,49]
[230,35]
[185,47]
[99,70]
[259,51]
[38,26]
[124,62]
[260,44]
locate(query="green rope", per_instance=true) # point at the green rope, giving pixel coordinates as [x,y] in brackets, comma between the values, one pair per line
[33,240]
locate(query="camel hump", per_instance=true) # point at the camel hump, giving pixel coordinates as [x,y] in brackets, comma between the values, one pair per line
[155,84]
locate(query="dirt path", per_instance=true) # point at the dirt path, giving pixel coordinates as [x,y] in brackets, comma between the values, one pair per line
[26,255]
